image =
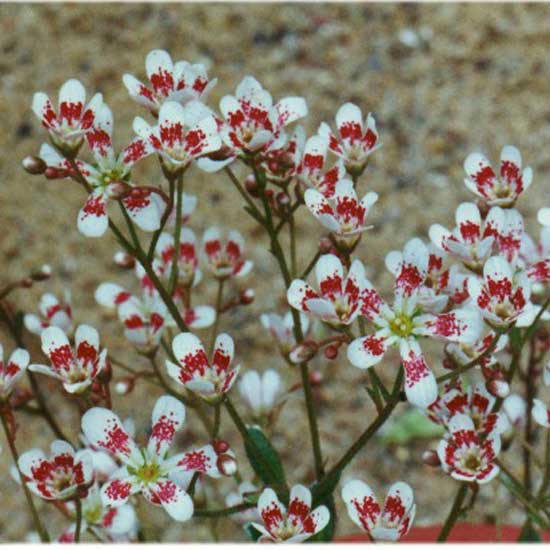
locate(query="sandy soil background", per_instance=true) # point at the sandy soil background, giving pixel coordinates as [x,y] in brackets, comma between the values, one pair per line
[442,80]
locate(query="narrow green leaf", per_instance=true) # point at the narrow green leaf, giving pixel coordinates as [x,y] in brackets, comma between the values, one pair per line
[252,532]
[265,460]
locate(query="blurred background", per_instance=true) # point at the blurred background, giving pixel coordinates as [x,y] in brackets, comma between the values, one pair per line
[441,80]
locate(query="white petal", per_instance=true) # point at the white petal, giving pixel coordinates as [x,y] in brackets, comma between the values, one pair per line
[356,494]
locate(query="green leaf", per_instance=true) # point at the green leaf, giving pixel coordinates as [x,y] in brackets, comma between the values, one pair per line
[265,460]
[252,532]
[409,426]
[529,533]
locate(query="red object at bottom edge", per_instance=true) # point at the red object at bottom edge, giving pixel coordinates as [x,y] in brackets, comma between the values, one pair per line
[461,532]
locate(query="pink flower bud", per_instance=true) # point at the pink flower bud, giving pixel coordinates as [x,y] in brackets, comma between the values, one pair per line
[331,352]
[42,274]
[498,388]
[124,260]
[315,378]
[283,199]
[303,352]
[247,296]
[492,373]
[221,154]
[251,186]
[27,282]
[430,458]
[125,385]
[227,465]
[52,173]
[220,446]
[34,165]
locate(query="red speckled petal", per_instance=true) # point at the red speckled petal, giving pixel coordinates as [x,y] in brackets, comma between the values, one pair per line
[168,418]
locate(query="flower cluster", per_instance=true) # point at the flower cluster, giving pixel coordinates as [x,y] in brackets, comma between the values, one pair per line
[477,294]
[148,470]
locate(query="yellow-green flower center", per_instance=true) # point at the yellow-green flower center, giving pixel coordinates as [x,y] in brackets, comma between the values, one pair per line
[472,462]
[148,472]
[110,177]
[402,326]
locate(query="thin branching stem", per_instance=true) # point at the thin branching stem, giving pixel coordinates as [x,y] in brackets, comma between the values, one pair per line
[37,392]
[177,235]
[218,308]
[473,363]
[40,529]
[454,514]
[78,506]
[203,513]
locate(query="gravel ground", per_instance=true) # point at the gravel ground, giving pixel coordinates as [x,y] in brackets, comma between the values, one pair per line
[442,80]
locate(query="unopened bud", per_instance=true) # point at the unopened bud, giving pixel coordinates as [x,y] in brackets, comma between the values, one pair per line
[269,194]
[283,199]
[247,296]
[124,260]
[34,165]
[325,245]
[251,186]
[498,388]
[303,352]
[430,458]
[490,372]
[42,274]
[118,190]
[227,465]
[27,282]
[125,385]
[221,154]
[331,352]
[52,173]
[220,446]
[315,378]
